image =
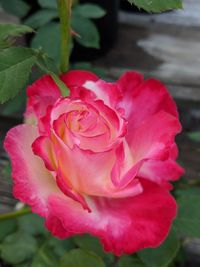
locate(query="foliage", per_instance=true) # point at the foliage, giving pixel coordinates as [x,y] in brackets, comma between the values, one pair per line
[16,62]
[18,8]
[41,17]
[80,258]
[91,243]
[46,22]
[89,11]
[157,5]
[8,31]
[47,3]
[26,241]
[163,255]
[188,220]
[15,67]
[194,136]
[18,247]
[128,261]
[87,32]
[49,31]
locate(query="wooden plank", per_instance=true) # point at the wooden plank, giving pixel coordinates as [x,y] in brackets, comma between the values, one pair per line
[168,52]
[171,54]
[180,57]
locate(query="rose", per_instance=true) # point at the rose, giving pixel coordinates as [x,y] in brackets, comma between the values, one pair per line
[99,161]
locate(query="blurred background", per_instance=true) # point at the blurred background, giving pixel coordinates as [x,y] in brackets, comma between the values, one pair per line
[118,37]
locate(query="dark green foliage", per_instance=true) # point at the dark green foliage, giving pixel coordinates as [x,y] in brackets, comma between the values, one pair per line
[163,255]
[15,66]
[157,5]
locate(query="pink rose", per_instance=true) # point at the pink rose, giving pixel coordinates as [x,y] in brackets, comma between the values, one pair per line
[99,161]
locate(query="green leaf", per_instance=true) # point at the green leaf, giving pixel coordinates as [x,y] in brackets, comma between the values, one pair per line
[88,33]
[15,106]
[6,171]
[45,63]
[157,5]
[18,247]
[194,136]
[81,258]
[41,17]
[32,224]
[8,30]
[128,261]
[43,39]
[162,255]
[186,191]
[18,8]
[62,86]
[7,227]
[13,30]
[60,247]
[48,3]
[50,251]
[44,257]
[188,219]
[90,11]
[92,243]
[15,67]
[24,264]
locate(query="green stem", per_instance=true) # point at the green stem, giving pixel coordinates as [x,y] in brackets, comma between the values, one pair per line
[61,85]
[64,10]
[15,214]
[75,2]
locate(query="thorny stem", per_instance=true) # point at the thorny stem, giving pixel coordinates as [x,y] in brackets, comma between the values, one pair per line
[15,214]
[64,10]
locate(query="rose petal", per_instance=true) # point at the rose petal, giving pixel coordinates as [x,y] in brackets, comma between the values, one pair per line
[76,78]
[85,171]
[155,137]
[95,179]
[41,94]
[114,125]
[86,85]
[43,148]
[161,172]
[123,226]
[32,182]
[124,169]
[105,91]
[142,99]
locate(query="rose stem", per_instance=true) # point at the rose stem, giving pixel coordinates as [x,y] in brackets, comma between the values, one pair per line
[64,10]
[15,214]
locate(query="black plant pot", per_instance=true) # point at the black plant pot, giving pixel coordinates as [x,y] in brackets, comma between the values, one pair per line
[108,29]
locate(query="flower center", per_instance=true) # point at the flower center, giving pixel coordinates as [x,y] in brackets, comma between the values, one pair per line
[88,126]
